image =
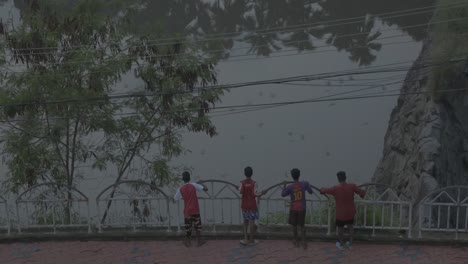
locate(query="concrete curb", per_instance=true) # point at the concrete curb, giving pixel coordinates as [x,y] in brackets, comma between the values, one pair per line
[169,236]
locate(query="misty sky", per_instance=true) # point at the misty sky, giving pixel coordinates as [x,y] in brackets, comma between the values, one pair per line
[318,138]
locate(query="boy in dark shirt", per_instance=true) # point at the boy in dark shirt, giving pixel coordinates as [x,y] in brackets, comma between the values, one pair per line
[297,191]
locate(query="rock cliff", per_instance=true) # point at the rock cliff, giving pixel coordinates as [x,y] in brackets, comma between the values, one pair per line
[426,145]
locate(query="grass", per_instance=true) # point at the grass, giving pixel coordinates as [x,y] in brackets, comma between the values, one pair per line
[450,41]
[383,214]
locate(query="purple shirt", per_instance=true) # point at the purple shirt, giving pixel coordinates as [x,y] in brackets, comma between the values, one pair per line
[297,192]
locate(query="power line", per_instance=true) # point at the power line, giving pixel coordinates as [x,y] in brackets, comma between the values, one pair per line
[405,12]
[282,51]
[225,61]
[276,104]
[435,22]
[377,69]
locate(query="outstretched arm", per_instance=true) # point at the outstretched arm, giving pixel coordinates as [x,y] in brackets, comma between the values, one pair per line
[257,193]
[330,191]
[309,188]
[286,191]
[359,191]
[200,186]
[177,196]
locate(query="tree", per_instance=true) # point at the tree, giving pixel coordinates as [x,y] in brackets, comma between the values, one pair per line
[61,108]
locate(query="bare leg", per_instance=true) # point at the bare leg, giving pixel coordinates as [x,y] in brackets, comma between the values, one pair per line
[351,233]
[303,231]
[252,231]
[296,239]
[188,233]
[199,240]
[340,234]
[246,226]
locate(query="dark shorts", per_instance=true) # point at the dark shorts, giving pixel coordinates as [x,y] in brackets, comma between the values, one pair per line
[193,221]
[341,223]
[297,218]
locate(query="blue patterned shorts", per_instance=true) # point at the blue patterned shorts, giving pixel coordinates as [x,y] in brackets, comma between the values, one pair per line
[250,215]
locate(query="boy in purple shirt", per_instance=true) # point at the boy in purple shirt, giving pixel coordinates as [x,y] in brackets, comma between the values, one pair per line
[298,204]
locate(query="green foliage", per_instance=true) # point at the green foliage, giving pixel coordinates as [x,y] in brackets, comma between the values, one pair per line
[450,41]
[73,56]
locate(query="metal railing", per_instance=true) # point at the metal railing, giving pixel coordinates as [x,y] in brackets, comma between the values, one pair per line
[444,210]
[50,205]
[383,208]
[5,222]
[275,209]
[132,204]
[219,205]
[138,204]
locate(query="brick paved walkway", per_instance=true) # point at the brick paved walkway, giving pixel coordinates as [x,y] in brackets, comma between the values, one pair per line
[223,251]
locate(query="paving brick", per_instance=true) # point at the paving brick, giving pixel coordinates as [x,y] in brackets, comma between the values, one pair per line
[223,251]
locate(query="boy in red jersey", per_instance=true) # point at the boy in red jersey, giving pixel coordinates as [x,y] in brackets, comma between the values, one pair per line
[188,192]
[345,209]
[249,192]
[297,191]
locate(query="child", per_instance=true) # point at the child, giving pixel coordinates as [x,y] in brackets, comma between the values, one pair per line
[188,192]
[249,192]
[298,204]
[345,209]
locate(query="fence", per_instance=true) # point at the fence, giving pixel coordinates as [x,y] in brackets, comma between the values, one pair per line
[50,205]
[275,208]
[4,215]
[444,210]
[132,204]
[383,208]
[137,204]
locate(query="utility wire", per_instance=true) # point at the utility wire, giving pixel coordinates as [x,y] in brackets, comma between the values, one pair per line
[405,12]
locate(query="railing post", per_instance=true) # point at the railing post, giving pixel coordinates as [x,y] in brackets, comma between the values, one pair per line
[18,217]
[53,220]
[420,206]
[98,209]
[213,208]
[410,221]
[329,219]
[178,217]
[8,218]
[168,211]
[373,219]
[458,213]
[89,216]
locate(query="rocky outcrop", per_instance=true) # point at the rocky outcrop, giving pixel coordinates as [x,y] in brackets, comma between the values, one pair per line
[426,145]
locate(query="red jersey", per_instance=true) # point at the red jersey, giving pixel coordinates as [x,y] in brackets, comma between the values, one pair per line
[248,189]
[344,198]
[188,192]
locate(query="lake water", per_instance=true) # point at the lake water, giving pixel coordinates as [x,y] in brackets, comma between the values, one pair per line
[319,138]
